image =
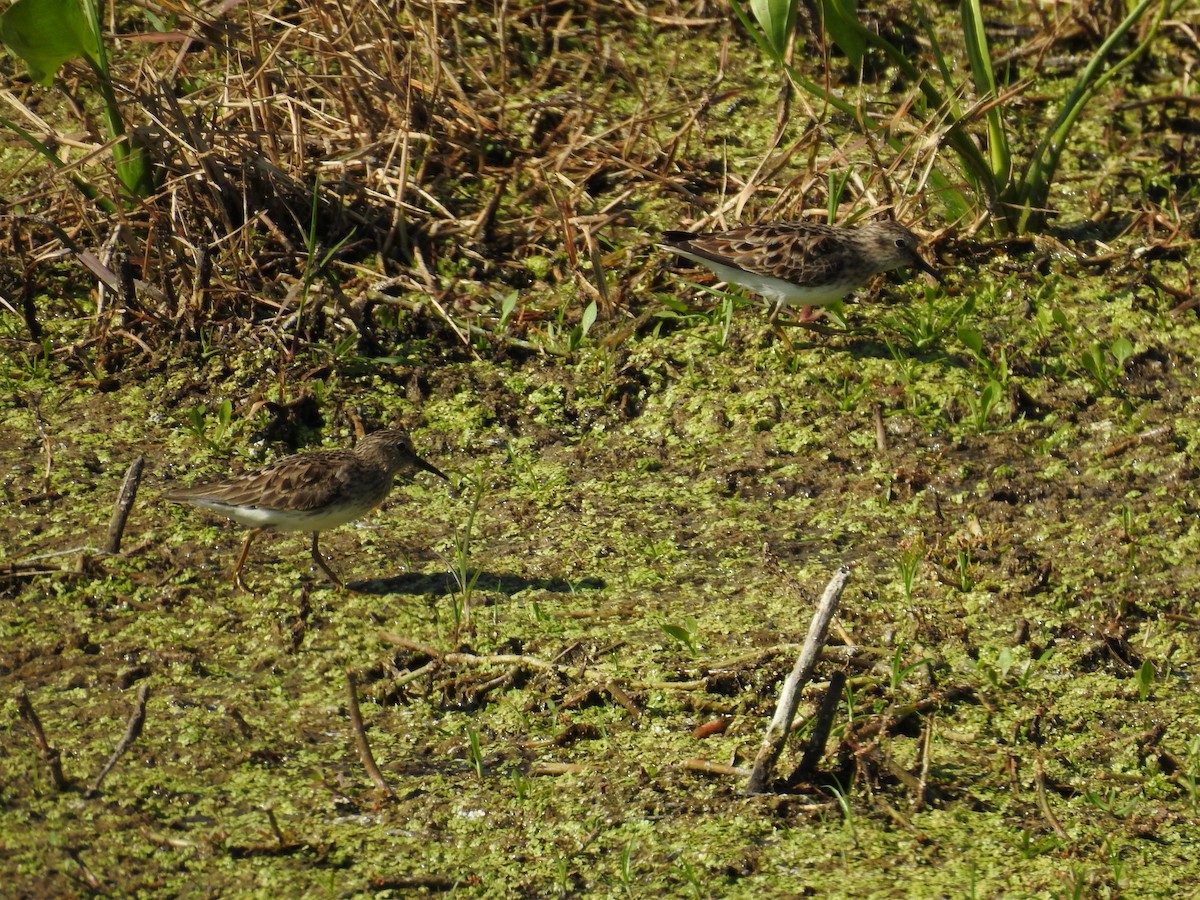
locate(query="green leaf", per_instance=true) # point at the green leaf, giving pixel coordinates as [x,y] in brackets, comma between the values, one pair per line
[1145,678]
[978,53]
[685,634]
[507,306]
[1034,184]
[971,339]
[343,348]
[47,33]
[196,416]
[589,318]
[1121,350]
[1092,361]
[777,19]
[840,19]
[678,632]
[1004,661]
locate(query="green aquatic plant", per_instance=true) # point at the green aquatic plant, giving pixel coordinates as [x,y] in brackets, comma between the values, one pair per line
[1015,193]
[212,427]
[45,34]
[684,634]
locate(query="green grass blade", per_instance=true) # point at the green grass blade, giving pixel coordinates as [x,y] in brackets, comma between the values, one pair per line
[85,188]
[1033,190]
[980,58]
[945,67]
[852,33]
[955,136]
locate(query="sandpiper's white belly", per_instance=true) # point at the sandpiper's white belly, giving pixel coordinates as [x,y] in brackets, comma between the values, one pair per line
[777,290]
[287,519]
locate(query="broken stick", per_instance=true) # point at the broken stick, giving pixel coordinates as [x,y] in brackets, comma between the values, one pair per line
[789,697]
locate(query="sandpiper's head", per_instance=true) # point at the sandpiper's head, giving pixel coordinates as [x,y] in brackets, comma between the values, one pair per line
[893,247]
[393,447]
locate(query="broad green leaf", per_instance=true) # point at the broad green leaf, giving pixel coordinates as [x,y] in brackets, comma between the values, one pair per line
[777,19]
[1004,661]
[1121,350]
[971,339]
[678,632]
[991,394]
[508,304]
[133,167]
[1092,361]
[47,33]
[1145,679]
[840,18]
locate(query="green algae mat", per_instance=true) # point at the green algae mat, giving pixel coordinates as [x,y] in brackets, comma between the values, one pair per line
[550,677]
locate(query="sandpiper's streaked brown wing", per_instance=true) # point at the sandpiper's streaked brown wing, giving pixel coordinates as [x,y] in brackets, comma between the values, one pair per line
[803,253]
[302,483]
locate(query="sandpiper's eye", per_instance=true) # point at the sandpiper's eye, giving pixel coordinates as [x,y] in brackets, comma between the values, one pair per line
[901,243]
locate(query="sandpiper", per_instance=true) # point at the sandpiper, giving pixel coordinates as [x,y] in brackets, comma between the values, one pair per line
[311,491]
[801,263]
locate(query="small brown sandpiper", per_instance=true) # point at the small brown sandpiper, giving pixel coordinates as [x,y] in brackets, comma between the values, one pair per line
[312,491]
[801,263]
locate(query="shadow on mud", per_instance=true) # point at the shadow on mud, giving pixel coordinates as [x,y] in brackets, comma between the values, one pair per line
[444,583]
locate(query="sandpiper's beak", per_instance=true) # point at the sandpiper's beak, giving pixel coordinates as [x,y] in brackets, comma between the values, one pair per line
[429,467]
[925,267]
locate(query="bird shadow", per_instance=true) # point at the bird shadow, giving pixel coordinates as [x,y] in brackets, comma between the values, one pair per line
[441,584]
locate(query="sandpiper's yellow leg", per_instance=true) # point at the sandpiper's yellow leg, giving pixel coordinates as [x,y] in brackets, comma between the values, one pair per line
[237,571]
[320,561]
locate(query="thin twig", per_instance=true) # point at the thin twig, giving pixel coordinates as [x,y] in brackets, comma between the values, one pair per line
[712,768]
[360,738]
[700,685]
[1121,446]
[412,675]
[51,756]
[89,878]
[894,814]
[926,746]
[1044,804]
[501,659]
[875,755]
[822,725]
[409,644]
[619,694]
[789,697]
[1180,617]
[35,572]
[274,823]
[35,403]
[553,768]
[85,549]
[472,659]
[132,730]
[129,489]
